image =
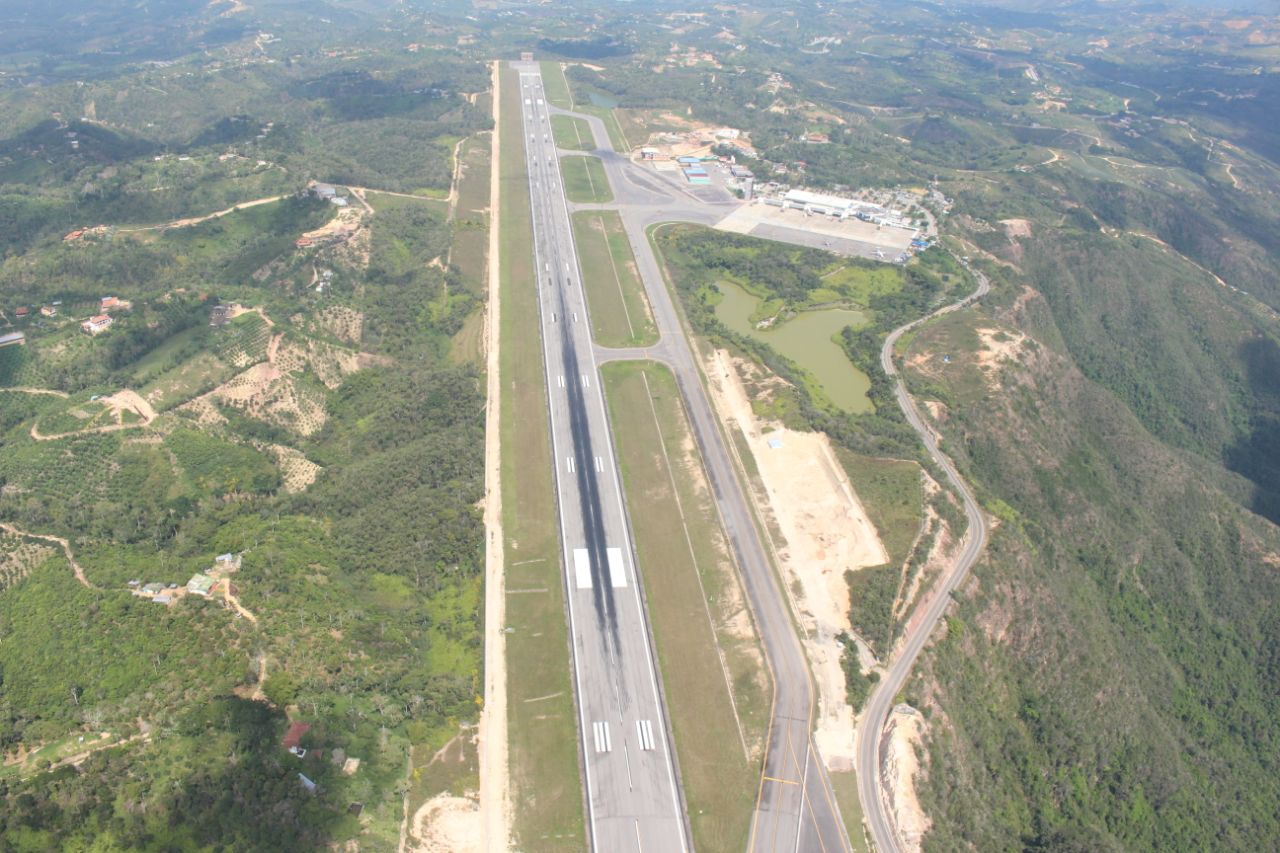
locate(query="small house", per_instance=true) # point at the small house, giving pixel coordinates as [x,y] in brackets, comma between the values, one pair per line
[9,339]
[21,311]
[293,736]
[200,584]
[97,324]
[48,311]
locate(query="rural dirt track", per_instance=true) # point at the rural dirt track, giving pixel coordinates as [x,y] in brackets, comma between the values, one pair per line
[66,550]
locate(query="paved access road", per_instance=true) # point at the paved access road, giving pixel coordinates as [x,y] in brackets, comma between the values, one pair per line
[795,810]
[633,800]
[926,614]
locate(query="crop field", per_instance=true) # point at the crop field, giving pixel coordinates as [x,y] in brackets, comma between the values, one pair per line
[710,663]
[584,179]
[620,314]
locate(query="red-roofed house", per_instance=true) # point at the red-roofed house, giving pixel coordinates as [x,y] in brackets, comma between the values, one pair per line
[96,324]
[293,736]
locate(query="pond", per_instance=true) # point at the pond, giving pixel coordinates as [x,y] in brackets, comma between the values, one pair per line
[806,339]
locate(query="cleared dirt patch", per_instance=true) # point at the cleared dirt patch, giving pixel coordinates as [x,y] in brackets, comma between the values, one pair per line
[446,824]
[900,766]
[824,532]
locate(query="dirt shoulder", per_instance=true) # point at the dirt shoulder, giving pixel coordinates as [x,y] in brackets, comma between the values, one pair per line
[819,531]
[495,805]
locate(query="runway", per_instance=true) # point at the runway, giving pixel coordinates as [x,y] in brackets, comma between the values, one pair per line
[632,792]
[795,808]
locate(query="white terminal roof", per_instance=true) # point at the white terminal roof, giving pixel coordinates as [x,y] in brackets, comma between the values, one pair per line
[830,201]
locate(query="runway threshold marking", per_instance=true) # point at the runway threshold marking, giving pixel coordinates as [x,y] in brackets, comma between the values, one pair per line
[581,568]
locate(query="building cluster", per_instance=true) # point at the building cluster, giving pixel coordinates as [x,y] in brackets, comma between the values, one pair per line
[292,744]
[329,193]
[838,208]
[215,582]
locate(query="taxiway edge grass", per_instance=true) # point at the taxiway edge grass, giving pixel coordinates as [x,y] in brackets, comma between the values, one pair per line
[546,781]
[584,179]
[572,133]
[708,655]
[620,313]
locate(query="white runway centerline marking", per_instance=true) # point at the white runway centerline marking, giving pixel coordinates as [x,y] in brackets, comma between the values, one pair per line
[581,568]
[617,569]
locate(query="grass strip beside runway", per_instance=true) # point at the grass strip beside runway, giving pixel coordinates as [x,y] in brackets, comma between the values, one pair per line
[584,179]
[572,134]
[546,786]
[716,686]
[620,315]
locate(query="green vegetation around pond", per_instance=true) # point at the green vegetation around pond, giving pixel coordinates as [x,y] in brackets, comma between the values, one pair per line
[584,179]
[780,279]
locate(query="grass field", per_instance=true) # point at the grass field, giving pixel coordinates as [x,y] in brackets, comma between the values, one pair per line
[543,733]
[710,663]
[467,344]
[389,201]
[572,134]
[616,136]
[892,495]
[470,249]
[556,85]
[620,314]
[845,787]
[584,179]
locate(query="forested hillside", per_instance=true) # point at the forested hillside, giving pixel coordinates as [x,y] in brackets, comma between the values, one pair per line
[241,441]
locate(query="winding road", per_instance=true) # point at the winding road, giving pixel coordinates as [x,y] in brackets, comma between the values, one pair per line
[871,786]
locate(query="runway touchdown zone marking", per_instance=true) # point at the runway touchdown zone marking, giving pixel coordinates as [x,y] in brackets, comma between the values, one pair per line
[600,731]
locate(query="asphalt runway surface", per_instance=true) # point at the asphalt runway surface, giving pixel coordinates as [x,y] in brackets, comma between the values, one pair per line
[632,794]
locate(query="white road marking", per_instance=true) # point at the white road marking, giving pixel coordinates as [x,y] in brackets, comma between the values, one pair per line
[601,732]
[561,381]
[586,382]
[581,568]
[599,465]
[617,569]
[645,729]
[569,460]
[575,316]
